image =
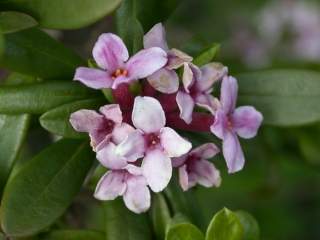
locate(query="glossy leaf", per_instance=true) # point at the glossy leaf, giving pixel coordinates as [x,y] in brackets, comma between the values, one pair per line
[35,53]
[41,97]
[134,226]
[61,14]
[57,119]
[207,55]
[74,235]
[249,224]
[44,187]
[225,225]
[13,129]
[15,21]
[285,97]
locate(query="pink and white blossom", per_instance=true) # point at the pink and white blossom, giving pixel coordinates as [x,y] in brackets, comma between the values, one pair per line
[154,142]
[231,122]
[195,168]
[198,86]
[127,182]
[166,79]
[112,57]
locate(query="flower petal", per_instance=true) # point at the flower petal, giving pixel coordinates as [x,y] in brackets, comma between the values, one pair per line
[177,58]
[107,157]
[206,151]
[179,161]
[110,186]
[164,80]
[86,120]
[110,52]
[121,79]
[133,147]
[183,177]
[121,132]
[232,152]
[246,121]
[229,93]
[173,144]
[137,197]
[112,112]
[208,102]
[93,78]
[156,37]
[211,73]
[220,124]
[148,114]
[186,106]
[207,174]
[146,62]
[157,169]
[190,75]
[133,170]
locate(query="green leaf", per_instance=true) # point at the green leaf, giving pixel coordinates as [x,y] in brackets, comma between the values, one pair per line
[207,55]
[160,215]
[225,225]
[41,97]
[128,26]
[35,53]
[250,225]
[74,235]
[61,14]
[285,97]
[13,129]
[44,187]
[134,226]
[57,119]
[15,21]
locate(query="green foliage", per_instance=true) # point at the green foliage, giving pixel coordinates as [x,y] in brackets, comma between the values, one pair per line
[74,235]
[207,55]
[132,226]
[15,21]
[250,225]
[33,52]
[41,97]
[285,97]
[57,119]
[1,44]
[43,188]
[62,14]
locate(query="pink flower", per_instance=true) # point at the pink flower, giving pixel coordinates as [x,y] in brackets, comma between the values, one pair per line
[198,87]
[166,79]
[194,168]
[127,182]
[112,57]
[230,122]
[103,128]
[153,141]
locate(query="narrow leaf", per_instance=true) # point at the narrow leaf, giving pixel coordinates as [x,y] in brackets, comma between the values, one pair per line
[207,55]
[74,235]
[15,21]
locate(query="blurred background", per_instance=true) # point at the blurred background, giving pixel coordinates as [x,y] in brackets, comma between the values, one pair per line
[280,184]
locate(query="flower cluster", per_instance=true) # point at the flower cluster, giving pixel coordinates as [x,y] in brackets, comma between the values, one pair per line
[135,137]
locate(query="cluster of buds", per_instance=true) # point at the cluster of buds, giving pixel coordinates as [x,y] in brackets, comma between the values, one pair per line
[135,137]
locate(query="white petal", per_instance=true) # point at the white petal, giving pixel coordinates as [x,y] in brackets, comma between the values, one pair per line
[186,105]
[121,132]
[110,186]
[133,147]
[107,157]
[112,112]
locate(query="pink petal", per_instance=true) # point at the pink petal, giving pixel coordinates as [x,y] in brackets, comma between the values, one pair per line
[183,177]
[110,52]
[133,170]
[86,120]
[187,77]
[157,169]
[146,62]
[121,132]
[164,80]
[186,105]
[99,139]
[121,79]
[107,157]
[208,102]
[110,186]
[229,93]
[232,152]
[206,151]
[112,112]
[148,114]
[246,121]
[174,145]
[211,73]
[179,161]
[207,174]
[93,78]
[156,37]
[177,58]
[137,196]
[133,147]
[220,125]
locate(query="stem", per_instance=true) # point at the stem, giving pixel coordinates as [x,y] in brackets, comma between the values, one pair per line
[123,97]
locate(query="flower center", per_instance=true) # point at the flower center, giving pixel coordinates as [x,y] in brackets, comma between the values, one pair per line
[108,125]
[229,124]
[152,140]
[119,72]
